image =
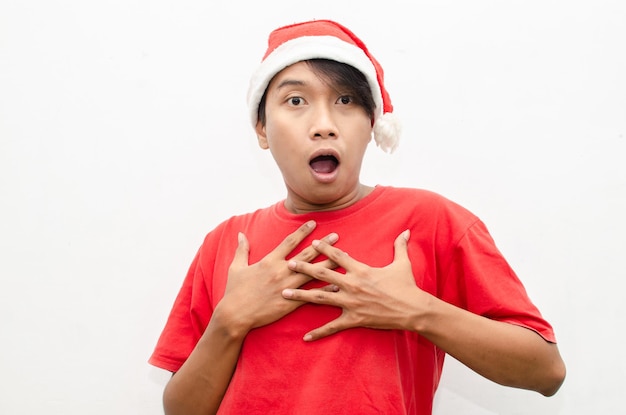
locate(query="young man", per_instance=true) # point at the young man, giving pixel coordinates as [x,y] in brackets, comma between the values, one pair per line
[342,298]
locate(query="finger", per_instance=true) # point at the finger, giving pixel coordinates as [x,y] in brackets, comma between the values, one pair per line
[317,271]
[336,255]
[242,252]
[326,330]
[326,263]
[293,239]
[401,245]
[325,295]
[302,278]
[309,253]
[330,288]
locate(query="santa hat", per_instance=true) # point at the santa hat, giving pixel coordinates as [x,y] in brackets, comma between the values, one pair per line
[325,39]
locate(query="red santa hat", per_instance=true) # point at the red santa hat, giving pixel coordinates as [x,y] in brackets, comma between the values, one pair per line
[325,39]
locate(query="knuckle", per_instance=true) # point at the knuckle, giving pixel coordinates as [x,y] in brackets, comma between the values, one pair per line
[263,264]
[322,272]
[336,255]
[306,255]
[329,328]
[320,296]
[334,327]
[291,240]
[363,271]
[330,264]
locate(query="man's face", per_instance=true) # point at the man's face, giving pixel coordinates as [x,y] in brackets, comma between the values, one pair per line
[317,136]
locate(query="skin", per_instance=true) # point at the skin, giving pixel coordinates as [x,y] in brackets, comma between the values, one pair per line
[252,299]
[387,298]
[307,117]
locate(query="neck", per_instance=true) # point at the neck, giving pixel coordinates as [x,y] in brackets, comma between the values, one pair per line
[298,205]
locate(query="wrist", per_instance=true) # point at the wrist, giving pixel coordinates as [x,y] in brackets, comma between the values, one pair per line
[423,316]
[227,324]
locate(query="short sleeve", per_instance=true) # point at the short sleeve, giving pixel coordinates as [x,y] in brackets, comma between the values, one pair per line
[187,321]
[480,280]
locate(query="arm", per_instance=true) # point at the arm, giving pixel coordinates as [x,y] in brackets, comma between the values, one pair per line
[200,384]
[252,299]
[387,298]
[505,353]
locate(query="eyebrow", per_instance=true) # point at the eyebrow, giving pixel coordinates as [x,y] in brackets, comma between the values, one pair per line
[290,82]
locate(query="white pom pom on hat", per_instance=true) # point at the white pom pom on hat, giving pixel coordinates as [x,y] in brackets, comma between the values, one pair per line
[326,39]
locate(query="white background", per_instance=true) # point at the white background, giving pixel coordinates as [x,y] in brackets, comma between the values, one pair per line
[124,140]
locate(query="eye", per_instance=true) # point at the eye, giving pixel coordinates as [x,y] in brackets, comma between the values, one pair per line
[345,100]
[295,101]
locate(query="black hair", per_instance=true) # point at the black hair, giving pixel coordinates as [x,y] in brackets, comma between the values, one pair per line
[339,74]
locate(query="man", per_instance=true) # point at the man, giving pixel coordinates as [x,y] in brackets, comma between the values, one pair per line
[342,298]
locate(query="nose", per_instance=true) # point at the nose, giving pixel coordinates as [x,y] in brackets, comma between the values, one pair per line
[323,124]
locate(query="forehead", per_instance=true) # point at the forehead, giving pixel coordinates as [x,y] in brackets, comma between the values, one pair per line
[299,72]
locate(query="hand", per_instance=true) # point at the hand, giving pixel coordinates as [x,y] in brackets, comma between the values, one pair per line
[253,292]
[381,298]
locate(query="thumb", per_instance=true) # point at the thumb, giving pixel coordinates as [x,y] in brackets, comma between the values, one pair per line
[401,245]
[242,252]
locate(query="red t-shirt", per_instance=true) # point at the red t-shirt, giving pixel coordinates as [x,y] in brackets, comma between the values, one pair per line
[362,371]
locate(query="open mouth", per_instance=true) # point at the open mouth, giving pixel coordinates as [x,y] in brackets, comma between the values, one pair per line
[324,163]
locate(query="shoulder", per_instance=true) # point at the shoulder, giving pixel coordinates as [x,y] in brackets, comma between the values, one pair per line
[426,202]
[237,223]
[432,217]
[413,193]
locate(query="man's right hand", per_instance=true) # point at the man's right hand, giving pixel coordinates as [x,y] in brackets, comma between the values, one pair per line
[253,292]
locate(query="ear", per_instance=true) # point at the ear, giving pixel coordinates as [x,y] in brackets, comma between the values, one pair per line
[261,135]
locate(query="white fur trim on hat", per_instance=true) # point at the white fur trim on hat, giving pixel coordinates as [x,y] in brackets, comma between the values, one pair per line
[304,48]
[386,129]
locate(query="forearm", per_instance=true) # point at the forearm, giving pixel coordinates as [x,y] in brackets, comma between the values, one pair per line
[251,299]
[200,384]
[505,353]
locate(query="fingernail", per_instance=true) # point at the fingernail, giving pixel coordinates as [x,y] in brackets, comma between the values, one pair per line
[240,237]
[310,224]
[291,264]
[406,235]
[287,293]
[307,338]
[333,237]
